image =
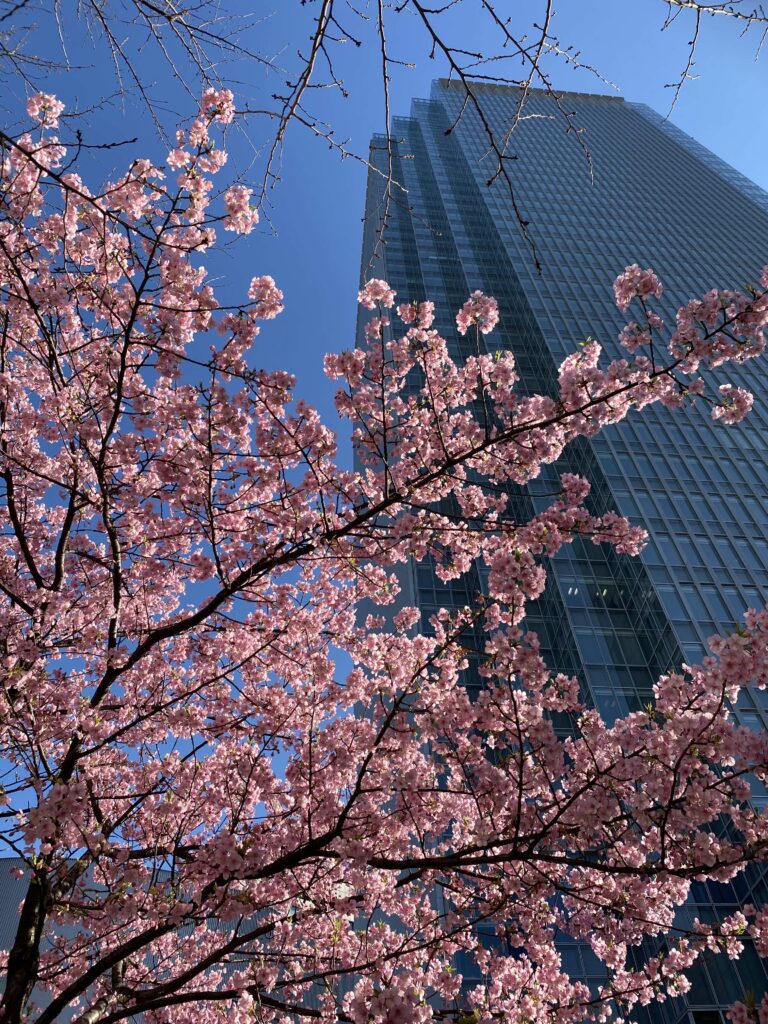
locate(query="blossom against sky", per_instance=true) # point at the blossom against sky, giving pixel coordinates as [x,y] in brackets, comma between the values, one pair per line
[309,236]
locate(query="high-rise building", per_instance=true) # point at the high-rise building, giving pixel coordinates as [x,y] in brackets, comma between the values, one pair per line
[657,198]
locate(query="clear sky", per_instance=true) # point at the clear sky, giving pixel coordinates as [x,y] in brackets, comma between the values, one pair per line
[312,247]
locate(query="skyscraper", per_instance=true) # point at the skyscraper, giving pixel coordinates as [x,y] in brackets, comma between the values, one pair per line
[659,199]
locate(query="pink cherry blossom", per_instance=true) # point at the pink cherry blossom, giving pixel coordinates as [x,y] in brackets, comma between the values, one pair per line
[376,292]
[734,404]
[241,216]
[267,296]
[420,313]
[244,774]
[633,283]
[478,309]
[45,108]
[218,105]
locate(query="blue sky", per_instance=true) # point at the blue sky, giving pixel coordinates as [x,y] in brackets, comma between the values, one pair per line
[315,254]
[312,246]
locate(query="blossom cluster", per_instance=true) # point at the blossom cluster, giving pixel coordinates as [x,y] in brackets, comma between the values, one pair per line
[267,296]
[184,558]
[45,108]
[376,292]
[479,309]
[420,313]
[241,216]
[635,282]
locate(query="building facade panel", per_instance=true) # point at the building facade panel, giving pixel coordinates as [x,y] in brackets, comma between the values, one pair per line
[631,188]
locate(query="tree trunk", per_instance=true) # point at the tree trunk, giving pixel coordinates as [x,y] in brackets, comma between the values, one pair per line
[24,956]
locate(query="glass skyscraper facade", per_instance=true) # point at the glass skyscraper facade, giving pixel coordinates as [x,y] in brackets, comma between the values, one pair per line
[657,198]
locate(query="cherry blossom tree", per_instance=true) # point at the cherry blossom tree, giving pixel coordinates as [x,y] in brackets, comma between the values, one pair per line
[219,823]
